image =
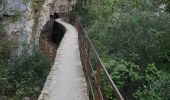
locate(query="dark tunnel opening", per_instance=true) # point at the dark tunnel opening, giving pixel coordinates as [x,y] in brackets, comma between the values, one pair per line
[51,36]
[58,30]
[54,30]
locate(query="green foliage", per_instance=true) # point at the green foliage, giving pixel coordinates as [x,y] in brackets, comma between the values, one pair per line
[26,76]
[132,37]
[5,47]
[36,5]
[135,33]
[163,56]
[129,77]
[159,90]
[168,5]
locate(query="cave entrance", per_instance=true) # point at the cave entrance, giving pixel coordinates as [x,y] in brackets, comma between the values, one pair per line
[58,30]
[51,36]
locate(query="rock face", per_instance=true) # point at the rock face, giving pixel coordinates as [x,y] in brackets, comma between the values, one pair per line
[26,30]
[18,21]
[12,7]
[1,8]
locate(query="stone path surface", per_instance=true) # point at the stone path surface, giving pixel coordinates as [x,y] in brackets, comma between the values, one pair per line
[66,80]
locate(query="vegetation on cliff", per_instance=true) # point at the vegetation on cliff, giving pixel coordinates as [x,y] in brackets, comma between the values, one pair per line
[25,76]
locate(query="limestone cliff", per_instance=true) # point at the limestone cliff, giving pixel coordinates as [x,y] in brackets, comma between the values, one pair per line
[23,20]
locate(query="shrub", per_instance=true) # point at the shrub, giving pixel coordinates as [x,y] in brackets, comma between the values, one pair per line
[132,37]
[27,75]
[36,5]
[129,78]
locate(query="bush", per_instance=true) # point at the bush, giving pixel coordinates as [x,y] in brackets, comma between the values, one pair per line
[129,78]
[140,39]
[36,5]
[132,37]
[158,90]
[27,75]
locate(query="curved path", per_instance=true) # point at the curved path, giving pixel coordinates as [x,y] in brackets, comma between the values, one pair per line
[66,80]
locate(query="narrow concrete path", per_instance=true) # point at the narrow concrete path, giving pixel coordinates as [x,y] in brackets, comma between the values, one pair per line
[66,80]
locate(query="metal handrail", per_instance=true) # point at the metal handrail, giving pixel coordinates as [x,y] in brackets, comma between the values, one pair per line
[86,48]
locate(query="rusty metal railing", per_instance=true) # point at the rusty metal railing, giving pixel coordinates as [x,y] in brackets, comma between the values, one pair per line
[93,67]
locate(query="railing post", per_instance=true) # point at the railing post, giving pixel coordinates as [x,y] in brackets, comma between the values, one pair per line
[88,57]
[88,64]
[98,83]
